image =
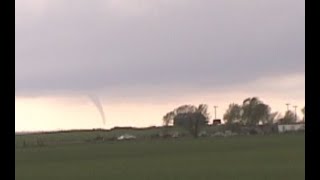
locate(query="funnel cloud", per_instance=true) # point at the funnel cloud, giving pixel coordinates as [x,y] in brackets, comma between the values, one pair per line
[96,101]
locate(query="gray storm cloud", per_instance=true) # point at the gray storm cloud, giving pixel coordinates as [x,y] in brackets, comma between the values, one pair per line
[89,45]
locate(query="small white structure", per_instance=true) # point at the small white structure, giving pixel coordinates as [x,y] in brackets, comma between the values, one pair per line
[175,135]
[291,127]
[126,137]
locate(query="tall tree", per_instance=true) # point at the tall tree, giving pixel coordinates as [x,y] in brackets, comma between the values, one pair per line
[203,109]
[289,117]
[255,111]
[168,118]
[233,114]
[192,121]
[189,117]
[185,109]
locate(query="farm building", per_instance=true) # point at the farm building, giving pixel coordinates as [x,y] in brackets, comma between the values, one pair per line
[291,127]
[216,122]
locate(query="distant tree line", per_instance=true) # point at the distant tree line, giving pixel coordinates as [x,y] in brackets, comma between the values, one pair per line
[251,112]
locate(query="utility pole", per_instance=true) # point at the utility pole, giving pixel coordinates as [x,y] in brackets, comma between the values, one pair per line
[215,112]
[295,113]
[287,106]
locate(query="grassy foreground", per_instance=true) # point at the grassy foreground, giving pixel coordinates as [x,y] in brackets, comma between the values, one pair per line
[273,157]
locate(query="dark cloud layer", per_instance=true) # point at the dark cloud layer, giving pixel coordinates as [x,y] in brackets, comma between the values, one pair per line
[88,45]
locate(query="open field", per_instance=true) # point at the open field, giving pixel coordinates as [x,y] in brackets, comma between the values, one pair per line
[273,157]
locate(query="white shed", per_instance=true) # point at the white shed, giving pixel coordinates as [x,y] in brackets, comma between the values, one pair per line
[291,127]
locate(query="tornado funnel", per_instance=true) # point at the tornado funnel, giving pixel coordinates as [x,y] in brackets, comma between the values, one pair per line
[96,101]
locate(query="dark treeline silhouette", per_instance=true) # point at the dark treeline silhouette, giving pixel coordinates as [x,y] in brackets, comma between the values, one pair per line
[251,112]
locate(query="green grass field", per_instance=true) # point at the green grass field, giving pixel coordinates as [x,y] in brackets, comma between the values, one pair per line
[272,157]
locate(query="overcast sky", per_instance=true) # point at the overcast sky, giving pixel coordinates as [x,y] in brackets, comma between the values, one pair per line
[140,49]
